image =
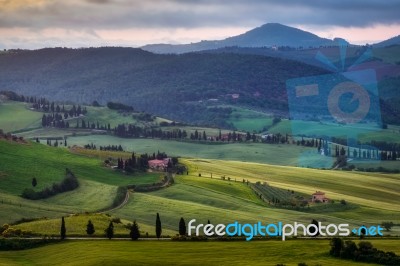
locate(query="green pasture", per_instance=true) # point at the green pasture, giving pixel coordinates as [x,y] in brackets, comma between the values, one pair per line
[21,162]
[16,116]
[114,252]
[76,226]
[249,120]
[250,152]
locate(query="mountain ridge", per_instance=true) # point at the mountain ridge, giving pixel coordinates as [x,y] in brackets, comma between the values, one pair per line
[267,35]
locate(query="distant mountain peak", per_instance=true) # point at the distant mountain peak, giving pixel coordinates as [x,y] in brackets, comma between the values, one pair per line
[392,41]
[266,35]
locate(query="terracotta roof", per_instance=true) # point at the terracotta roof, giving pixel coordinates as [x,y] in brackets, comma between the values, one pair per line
[319,193]
[156,162]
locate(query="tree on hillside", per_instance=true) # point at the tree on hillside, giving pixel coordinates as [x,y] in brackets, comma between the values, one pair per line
[34,182]
[90,228]
[387,225]
[336,246]
[63,230]
[342,151]
[158,226]
[44,120]
[134,233]
[315,231]
[110,231]
[182,227]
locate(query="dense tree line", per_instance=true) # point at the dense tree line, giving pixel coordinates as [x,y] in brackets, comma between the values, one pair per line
[134,232]
[119,107]
[363,252]
[104,148]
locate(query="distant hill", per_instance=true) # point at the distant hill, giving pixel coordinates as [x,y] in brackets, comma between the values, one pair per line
[267,35]
[389,42]
[192,87]
[179,87]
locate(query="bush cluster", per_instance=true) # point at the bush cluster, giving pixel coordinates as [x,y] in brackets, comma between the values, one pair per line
[364,252]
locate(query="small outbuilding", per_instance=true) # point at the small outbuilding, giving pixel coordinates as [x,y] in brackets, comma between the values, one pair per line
[319,196]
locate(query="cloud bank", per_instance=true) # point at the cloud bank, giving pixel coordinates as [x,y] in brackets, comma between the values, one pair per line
[92,22]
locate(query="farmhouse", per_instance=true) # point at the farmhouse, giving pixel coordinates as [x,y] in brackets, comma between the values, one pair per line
[159,165]
[319,196]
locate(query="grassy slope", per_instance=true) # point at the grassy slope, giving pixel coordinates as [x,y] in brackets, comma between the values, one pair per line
[76,226]
[372,198]
[248,120]
[250,152]
[21,162]
[15,116]
[310,128]
[48,165]
[369,189]
[183,253]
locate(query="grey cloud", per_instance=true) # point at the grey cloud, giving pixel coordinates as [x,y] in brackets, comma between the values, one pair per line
[120,14]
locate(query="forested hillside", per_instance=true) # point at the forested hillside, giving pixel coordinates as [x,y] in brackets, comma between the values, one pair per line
[193,87]
[180,87]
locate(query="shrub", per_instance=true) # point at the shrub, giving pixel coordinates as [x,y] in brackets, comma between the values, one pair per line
[116,220]
[387,225]
[20,244]
[120,196]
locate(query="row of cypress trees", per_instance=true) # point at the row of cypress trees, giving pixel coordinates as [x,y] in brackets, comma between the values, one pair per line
[134,229]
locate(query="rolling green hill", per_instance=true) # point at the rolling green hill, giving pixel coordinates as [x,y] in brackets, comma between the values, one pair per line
[22,162]
[183,253]
[16,116]
[249,152]
[371,198]
[170,86]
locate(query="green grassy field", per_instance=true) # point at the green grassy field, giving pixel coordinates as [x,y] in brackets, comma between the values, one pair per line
[369,189]
[76,226]
[16,116]
[362,133]
[249,120]
[220,201]
[251,152]
[372,198]
[107,252]
[22,162]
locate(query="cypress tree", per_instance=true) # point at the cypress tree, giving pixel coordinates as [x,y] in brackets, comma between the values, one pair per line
[63,230]
[134,233]
[110,231]
[315,222]
[182,227]
[158,226]
[34,182]
[90,228]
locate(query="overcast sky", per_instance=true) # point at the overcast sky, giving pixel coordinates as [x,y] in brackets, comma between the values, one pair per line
[85,23]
